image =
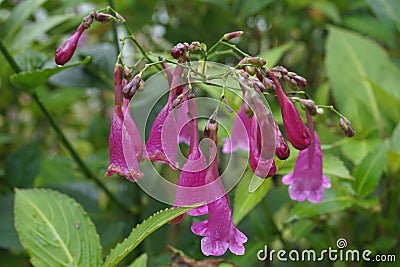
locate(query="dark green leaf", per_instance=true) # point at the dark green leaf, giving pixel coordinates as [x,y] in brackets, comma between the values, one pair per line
[302,228]
[368,173]
[22,165]
[55,230]
[9,237]
[31,79]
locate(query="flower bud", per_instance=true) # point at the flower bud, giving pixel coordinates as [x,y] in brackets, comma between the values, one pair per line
[308,105]
[65,52]
[282,150]
[194,46]
[259,74]
[250,70]
[301,82]
[258,86]
[346,126]
[231,35]
[178,50]
[87,21]
[257,61]
[130,88]
[102,17]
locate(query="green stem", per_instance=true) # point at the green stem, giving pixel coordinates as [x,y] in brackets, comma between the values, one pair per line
[85,169]
[115,32]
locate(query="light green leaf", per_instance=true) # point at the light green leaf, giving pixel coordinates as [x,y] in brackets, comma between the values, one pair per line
[334,166]
[31,79]
[245,201]
[140,232]
[55,230]
[395,145]
[140,261]
[333,201]
[329,9]
[387,10]
[356,150]
[274,55]
[21,12]
[352,61]
[35,30]
[368,173]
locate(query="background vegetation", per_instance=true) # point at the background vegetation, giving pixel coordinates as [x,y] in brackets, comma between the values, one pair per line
[347,50]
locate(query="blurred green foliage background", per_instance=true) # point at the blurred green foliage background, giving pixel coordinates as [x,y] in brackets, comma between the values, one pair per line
[347,50]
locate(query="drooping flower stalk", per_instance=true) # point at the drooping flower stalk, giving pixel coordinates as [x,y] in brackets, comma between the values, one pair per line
[307,180]
[124,141]
[219,231]
[296,131]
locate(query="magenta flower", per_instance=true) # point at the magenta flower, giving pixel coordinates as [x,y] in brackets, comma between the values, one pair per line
[262,141]
[307,181]
[124,141]
[239,134]
[219,231]
[162,144]
[65,52]
[192,178]
[296,131]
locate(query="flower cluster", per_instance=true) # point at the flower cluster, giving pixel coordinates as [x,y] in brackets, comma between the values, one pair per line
[254,130]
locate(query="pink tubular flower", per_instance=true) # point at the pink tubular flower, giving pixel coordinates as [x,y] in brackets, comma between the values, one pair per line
[239,134]
[282,150]
[219,231]
[123,134]
[262,141]
[162,144]
[307,180]
[296,131]
[192,178]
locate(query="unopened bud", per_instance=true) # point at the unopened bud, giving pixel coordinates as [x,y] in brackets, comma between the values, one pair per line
[250,70]
[259,74]
[130,88]
[102,17]
[65,52]
[231,35]
[258,86]
[308,105]
[178,50]
[257,61]
[346,126]
[87,21]
[301,82]
[194,46]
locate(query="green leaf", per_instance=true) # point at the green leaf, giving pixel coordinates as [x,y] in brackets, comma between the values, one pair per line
[387,10]
[334,166]
[352,61]
[21,12]
[35,30]
[368,173]
[356,150]
[55,230]
[140,261]
[274,55]
[9,237]
[140,232]
[22,165]
[245,201]
[333,201]
[395,140]
[302,228]
[31,79]
[329,9]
